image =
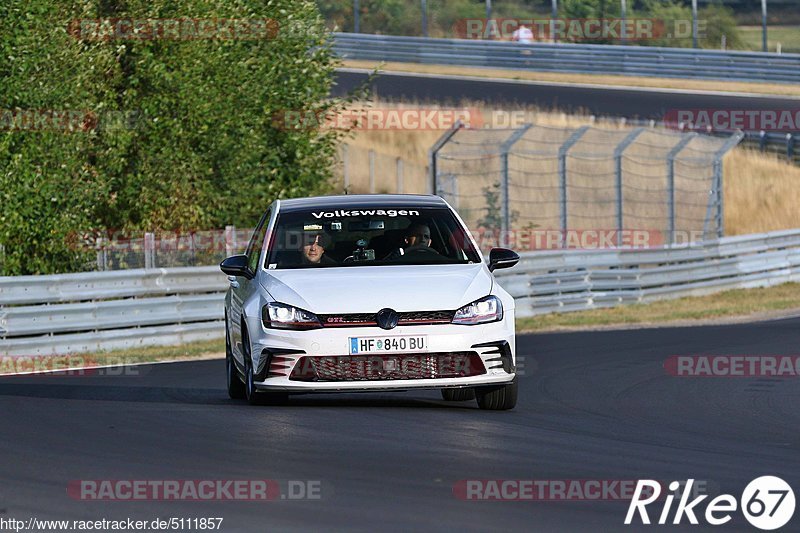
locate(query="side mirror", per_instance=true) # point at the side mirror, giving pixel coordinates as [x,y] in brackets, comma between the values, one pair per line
[502,258]
[237,265]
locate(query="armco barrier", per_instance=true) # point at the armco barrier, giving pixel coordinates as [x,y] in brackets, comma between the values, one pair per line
[569,280]
[92,311]
[576,58]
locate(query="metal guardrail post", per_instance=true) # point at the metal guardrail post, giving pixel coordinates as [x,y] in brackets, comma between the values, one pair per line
[562,177]
[618,151]
[230,240]
[735,139]
[504,179]
[149,250]
[673,153]
[372,171]
[346,166]
[399,167]
[434,152]
[790,147]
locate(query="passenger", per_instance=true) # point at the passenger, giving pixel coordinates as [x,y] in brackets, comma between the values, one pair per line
[314,245]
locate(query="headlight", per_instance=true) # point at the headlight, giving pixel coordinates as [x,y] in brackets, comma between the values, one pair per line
[282,316]
[488,309]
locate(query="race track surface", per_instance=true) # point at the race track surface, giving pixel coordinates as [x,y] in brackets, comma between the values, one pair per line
[593,405]
[642,103]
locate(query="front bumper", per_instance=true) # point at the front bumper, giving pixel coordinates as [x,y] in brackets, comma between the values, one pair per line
[278,351]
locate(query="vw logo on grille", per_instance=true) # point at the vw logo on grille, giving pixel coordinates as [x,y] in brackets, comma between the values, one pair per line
[387,318]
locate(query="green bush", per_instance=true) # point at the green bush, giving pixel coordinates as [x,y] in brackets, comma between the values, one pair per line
[201,149]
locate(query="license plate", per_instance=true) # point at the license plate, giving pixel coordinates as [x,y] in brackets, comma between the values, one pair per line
[373,345]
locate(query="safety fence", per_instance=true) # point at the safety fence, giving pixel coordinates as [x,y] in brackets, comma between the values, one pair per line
[75,313]
[575,58]
[587,178]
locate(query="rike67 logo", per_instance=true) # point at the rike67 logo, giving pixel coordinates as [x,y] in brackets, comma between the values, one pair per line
[767,503]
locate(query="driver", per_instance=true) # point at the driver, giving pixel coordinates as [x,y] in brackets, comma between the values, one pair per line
[417,237]
[314,245]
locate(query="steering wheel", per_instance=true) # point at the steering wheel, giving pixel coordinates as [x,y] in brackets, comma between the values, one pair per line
[421,250]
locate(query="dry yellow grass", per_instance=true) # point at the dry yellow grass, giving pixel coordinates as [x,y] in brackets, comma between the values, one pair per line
[585,79]
[762,193]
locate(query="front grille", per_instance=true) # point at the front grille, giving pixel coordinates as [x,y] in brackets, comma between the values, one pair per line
[388,367]
[410,318]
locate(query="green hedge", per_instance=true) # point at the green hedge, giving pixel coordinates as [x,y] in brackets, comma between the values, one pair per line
[180,133]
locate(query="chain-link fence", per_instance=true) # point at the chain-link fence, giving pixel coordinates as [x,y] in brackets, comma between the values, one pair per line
[576,180]
[361,170]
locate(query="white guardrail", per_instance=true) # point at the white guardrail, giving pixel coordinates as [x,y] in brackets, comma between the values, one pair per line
[577,58]
[85,312]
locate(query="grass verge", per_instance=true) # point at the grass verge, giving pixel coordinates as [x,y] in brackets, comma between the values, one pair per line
[733,304]
[788,36]
[584,79]
[149,354]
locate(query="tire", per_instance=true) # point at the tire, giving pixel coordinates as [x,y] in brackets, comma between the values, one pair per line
[458,395]
[253,395]
[235,385]
[497,397]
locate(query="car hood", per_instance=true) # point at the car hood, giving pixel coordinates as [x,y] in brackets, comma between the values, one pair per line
[369,289]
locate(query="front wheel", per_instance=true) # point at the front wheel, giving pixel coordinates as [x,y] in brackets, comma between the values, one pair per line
[458,395]
[235,386]
[497,397]
[253,395]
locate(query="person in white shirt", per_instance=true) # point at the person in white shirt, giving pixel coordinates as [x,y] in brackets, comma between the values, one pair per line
[522,35]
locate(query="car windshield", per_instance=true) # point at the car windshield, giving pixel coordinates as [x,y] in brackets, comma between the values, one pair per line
[332,237]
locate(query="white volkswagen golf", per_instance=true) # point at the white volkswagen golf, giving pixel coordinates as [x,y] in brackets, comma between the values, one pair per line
[368,293]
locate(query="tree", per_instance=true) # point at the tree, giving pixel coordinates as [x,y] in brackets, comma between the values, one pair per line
[202,149]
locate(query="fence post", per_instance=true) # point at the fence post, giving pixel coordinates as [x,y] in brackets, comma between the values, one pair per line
[790,147]
[372,171]
[434,152]
[673,153]
[101,264]
[734,139]
[149,250]
[346,166]
[505,148]
[562,178]
[399,166]
[618,151]
[762,140]
[230,240]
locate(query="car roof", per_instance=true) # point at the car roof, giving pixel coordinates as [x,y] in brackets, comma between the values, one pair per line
[393,201]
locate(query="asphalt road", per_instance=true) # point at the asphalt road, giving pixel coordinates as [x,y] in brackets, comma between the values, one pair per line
[602,101]
[594,405]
